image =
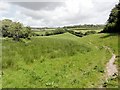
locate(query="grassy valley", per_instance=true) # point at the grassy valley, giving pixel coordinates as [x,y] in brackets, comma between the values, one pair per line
[50,54]
[61,60]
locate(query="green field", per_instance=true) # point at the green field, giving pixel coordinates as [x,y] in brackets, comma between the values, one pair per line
[83,30]
[58,61]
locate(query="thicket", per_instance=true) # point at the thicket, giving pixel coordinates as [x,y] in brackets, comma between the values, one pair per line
[90,32]
[15,30]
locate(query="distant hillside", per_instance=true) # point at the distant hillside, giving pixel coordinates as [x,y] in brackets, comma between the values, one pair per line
[86,26]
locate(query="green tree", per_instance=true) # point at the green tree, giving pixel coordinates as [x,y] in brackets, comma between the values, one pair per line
[25,32]
[16,30]
[113,23]
[6,23]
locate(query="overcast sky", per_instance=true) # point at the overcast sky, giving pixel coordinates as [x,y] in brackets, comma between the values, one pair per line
[57,13]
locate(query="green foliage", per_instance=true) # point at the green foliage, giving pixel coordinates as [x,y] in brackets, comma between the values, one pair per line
[35,34]
[90,32]
[6,23]
[79,34]
[113,23]
[15,30]
[85,27]
[47,33]
[59,31]
[54,32]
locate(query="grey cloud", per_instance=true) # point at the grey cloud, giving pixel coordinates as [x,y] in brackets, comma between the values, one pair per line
[61,13]
[37,15]
[39,5]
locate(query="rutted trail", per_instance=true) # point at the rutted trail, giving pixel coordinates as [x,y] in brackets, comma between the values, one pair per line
[111,68]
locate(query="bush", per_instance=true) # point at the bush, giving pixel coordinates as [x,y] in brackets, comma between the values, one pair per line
[48,33]
[15,30]
[90,32]
[59,31]
[55,32]
[34,34]
[71,31]
[79,34]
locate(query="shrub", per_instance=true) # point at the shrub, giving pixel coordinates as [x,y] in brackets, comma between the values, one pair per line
[59,31]
[71,31]
[15,30]
[55,32]
[34,34]
[48,33]
[79,34]
[90,32]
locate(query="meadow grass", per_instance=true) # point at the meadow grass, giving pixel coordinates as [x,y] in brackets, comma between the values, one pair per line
[56,61]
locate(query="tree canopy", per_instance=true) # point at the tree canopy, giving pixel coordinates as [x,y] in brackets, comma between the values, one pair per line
[15,30]
[113,23]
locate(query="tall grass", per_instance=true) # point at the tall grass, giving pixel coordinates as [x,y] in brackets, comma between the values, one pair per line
[40,47]
[56,61]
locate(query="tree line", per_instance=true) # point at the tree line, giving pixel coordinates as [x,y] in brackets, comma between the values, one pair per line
[86,26]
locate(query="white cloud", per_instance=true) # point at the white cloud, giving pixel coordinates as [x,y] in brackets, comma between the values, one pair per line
[4,6]
[71,12]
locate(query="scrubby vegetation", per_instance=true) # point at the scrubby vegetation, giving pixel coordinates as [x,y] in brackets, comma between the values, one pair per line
[79,34]
[90,32]
[85,27]
[15,30]
[55,32]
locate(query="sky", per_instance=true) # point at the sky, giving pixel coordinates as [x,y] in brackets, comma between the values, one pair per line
[56,13]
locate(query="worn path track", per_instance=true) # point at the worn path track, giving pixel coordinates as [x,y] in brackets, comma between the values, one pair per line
[111,68]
